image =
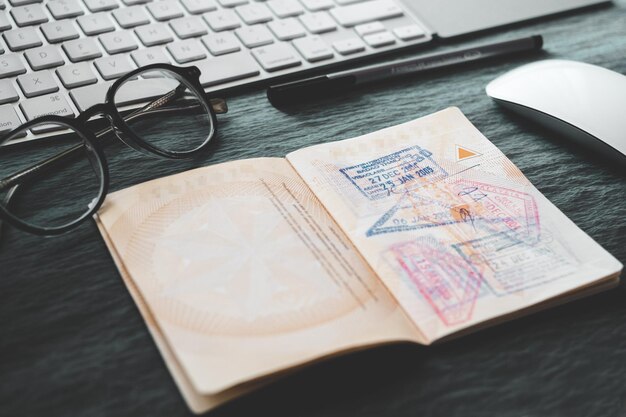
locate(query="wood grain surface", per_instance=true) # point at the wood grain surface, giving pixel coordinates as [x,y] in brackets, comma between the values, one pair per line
[72,342]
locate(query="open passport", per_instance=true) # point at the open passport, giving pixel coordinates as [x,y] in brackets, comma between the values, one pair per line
[247,270]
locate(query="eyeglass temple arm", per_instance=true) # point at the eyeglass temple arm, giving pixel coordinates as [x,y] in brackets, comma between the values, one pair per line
[218,105]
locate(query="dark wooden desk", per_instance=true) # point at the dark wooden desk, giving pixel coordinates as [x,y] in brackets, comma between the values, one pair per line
[72,342]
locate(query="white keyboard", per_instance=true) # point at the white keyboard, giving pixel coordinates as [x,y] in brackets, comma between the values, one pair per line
[60,56]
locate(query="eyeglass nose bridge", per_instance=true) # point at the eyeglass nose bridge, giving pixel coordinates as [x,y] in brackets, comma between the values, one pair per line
[106,111]
[121,135]
[101,109]
[193,71]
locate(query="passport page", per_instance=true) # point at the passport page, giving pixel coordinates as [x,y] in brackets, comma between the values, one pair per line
[449,223]
[197,402]
[241,273]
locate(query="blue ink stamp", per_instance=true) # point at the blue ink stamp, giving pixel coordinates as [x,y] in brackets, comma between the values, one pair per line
[510,264]
[482,206]
[405,169]
[405,216]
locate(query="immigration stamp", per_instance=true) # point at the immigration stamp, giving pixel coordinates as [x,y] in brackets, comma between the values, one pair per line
[413,211]
[404,169]
[511,210]
[447,281]
[510,264]
[480,207]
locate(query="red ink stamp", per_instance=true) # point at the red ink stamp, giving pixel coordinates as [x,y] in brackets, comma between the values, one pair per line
[447,281]
[515,211]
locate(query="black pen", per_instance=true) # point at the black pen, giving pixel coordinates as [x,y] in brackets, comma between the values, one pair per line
[326,85]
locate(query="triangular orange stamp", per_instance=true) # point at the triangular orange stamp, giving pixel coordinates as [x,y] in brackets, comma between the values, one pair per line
[465,153]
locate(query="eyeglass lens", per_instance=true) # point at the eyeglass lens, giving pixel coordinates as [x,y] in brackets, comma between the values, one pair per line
[179,121]
[63,192]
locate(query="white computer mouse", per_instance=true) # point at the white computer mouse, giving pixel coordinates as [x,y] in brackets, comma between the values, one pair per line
[584,102]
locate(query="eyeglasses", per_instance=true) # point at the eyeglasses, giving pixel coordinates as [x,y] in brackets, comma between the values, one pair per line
[32,192]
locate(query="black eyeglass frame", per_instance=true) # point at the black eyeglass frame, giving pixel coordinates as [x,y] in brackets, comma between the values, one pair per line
[93,147]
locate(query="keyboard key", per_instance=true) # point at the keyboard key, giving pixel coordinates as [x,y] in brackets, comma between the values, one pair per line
[7,92]
[165,10]
[253,36]
[10,65]
[59,31]
[130,17]
[377,40]
[86,97]
[199,6]
[154,34]
[313,48]
[37,83]
[369,11]
[151,74]
[112,67]
[344,2]
[349,46]
[186,51]
[134,2]
[318,22]
[118,41]
[276,57]
[285,8]
[76,75]
[287,29]
[96,23]
[254,13]
[20,39]
[410,32]
[82,49]
[29,15]
[189,27]
[53,104]
[134,91]
[8,119]
[318,5]
[101,5]
[61,9]
[232,3]
[44,57]
[46,128]
[222,20]
[367,28]
[227,68]
[5,23]
[221,43]
[149,56]
[23,2]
